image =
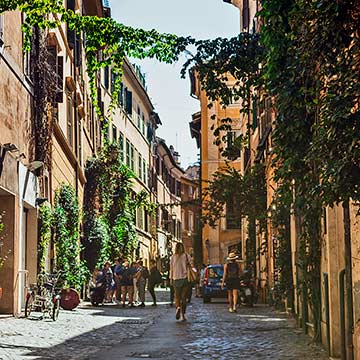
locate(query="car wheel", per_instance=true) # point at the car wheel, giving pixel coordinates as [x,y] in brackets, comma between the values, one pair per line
[206,299]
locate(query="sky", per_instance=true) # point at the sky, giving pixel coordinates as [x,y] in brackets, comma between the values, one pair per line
[170,95]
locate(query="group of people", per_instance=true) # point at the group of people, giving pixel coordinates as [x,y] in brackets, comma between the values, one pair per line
[127,282]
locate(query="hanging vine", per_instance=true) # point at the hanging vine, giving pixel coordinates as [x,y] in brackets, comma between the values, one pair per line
[111,202]
[114,40]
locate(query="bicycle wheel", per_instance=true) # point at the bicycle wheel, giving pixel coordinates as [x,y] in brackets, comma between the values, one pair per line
[28,305]
[56,309]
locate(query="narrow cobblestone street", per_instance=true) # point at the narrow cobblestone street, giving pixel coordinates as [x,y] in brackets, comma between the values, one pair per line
[111,332]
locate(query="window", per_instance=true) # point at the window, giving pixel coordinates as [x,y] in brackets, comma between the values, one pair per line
[106,77]
[143,124]
[246,15]
[254,112]
[128,153]
[132,157]
[1,30]
[140,218]
[232,215]
[191,221]
[140,167]
[71,35]
[128,101]
[144,171]
[232,151]
[121,146]
[56,63]
[114,133]
[138,117]
[69,117]
[178,188]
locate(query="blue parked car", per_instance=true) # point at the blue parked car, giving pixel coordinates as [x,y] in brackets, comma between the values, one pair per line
[212,283]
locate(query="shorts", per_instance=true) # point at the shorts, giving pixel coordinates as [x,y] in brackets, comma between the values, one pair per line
[233,284]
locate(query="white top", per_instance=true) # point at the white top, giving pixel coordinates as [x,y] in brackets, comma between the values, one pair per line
[178,266]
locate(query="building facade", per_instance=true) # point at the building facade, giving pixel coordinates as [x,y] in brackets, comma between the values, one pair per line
[340,316]
[191,212]
[168,175]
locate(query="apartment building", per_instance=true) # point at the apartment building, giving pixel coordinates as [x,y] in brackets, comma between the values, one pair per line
[191,212]
[19,185]
[340,310]
[133,127]
[168,174]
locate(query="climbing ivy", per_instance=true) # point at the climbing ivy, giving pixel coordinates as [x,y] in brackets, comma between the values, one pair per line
[45,221]
[111,203]
[248,195]
[66,237]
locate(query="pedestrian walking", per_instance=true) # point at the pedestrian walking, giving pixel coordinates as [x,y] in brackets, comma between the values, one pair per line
[142,273]
[117,271]
[201,281]
[154,279]
[126,275]
[109,281]
[231,277]
[134,266]
[179,264]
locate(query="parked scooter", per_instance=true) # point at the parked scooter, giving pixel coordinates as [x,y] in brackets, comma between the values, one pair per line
[97,290]
[247,292]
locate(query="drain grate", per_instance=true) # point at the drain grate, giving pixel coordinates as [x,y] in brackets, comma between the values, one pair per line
[141,356]
[134,322]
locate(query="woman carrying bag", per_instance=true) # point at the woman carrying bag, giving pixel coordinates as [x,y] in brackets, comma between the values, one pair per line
[180,269]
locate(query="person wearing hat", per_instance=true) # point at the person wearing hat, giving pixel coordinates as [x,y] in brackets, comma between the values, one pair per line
[231,277]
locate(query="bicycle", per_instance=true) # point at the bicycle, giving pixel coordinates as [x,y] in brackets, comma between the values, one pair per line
[44,297]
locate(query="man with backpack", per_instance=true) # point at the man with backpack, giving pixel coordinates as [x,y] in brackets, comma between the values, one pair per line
[141,276]
[154,279]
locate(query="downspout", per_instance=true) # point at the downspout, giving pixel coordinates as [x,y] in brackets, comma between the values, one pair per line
[76,124]
[348,281]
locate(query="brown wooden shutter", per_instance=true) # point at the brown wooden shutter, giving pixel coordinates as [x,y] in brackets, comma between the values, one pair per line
[246,15]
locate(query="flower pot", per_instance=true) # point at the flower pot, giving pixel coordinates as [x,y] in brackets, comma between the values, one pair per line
[1,292]
[70,299]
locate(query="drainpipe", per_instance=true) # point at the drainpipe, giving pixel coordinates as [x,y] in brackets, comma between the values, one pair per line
[342,314]
[348,281]
[76,124]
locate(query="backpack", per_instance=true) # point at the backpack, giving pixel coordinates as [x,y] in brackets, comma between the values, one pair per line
[144,273]
[125,275]
[232,270]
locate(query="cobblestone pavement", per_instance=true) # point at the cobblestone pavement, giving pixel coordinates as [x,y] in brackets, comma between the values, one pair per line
[211,332]
[111,332]
[76,334]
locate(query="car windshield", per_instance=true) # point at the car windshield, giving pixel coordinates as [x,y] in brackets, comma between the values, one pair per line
[215,272]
